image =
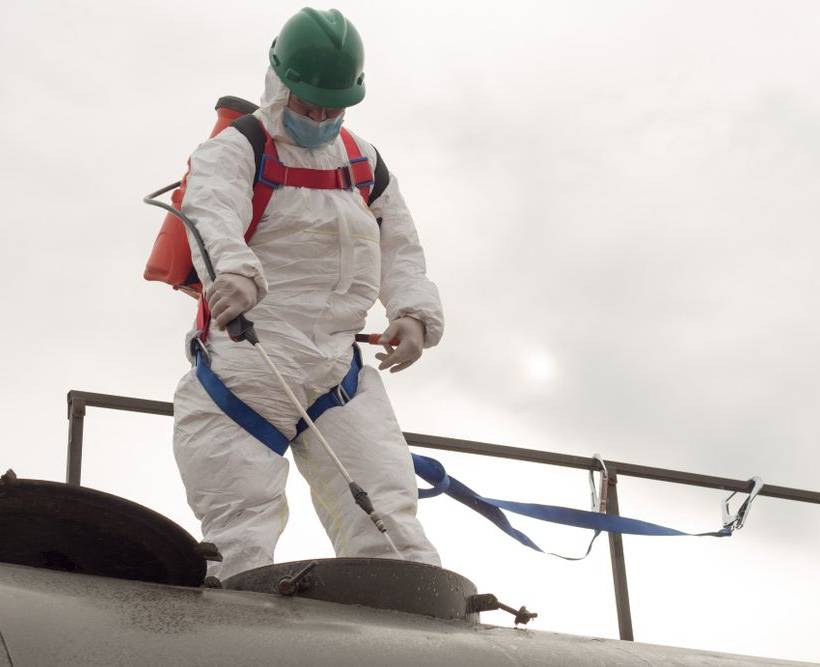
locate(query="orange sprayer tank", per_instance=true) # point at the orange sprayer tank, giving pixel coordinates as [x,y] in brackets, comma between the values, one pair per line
[170,259]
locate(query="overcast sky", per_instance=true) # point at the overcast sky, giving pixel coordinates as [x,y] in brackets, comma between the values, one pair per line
[618,201]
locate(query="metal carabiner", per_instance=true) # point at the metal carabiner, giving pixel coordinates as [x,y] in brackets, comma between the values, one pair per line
[736,521]
[599,498]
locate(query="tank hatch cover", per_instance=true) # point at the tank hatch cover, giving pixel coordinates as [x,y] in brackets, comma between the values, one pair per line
[77,529]
[382,583]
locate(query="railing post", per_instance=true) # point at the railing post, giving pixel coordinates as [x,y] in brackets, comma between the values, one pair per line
[616,554]
[74,457]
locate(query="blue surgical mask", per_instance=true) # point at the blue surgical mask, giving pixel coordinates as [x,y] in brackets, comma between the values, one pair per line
[309,133]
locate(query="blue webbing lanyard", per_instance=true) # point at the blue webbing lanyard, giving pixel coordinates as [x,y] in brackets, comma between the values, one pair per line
[432,472]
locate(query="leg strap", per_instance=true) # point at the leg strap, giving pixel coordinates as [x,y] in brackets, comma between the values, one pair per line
[336,396]
[254,423]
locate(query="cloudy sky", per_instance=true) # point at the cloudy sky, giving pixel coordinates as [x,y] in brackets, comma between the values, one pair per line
[618,201]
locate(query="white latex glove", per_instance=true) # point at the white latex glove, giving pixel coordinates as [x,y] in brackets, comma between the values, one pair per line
[229,296]
[410,333]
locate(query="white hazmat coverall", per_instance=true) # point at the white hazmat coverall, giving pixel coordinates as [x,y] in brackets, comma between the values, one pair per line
[319,261]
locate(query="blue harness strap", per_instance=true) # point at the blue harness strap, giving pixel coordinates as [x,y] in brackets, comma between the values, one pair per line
[254,423]
[348,386]
[430,470]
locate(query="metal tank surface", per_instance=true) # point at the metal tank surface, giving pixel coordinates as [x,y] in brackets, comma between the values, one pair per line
[50,618]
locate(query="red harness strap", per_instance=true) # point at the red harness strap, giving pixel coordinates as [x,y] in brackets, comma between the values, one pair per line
[357,173]
[361,171]
[273,174]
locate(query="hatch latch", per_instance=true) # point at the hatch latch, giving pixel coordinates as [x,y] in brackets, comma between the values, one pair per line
[489,602]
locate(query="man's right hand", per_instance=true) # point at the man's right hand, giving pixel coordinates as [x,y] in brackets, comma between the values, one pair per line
[230,296]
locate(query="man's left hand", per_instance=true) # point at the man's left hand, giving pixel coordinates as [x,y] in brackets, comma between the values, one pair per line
[410,333]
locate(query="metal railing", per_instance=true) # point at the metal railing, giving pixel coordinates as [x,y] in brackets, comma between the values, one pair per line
[78,401]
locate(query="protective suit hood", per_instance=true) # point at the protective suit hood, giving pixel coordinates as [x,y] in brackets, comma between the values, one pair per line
[271,106]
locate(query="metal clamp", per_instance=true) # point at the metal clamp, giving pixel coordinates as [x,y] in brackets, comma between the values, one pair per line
[296,582]
[489,602]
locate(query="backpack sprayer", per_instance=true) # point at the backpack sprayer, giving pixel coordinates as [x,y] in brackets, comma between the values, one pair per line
[241,329]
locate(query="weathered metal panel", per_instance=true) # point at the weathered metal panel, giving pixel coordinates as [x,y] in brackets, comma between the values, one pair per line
[51,618]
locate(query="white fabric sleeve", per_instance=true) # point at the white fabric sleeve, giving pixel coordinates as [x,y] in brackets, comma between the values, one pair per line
[405,288]
[218,198]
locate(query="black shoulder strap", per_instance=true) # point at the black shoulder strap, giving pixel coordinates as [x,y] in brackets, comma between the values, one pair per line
[381,176]
[252,130]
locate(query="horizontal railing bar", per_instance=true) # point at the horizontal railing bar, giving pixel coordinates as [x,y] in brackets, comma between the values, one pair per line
[501,451]
[624,469]
[122,403]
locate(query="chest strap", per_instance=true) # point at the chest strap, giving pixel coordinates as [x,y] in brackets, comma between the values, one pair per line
[356,173]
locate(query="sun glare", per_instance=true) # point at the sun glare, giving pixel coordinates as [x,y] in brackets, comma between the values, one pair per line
[540,367]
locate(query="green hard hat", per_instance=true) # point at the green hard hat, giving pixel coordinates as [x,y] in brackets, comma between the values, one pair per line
[319,56]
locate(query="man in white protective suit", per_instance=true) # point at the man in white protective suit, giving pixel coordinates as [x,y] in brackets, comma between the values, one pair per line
[316,263]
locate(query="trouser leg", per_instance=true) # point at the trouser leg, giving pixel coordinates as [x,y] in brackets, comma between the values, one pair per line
[365,435]
[235,485]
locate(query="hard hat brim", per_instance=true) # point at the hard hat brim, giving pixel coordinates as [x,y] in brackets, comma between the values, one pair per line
[324,97]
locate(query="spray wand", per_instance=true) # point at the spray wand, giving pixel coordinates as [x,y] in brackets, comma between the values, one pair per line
[241,329]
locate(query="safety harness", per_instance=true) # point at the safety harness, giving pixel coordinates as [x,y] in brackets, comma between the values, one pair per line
[271,174]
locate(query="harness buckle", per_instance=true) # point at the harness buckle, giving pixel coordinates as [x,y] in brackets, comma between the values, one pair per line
[196,345]
[341,395]
[263,168]
[344,178]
